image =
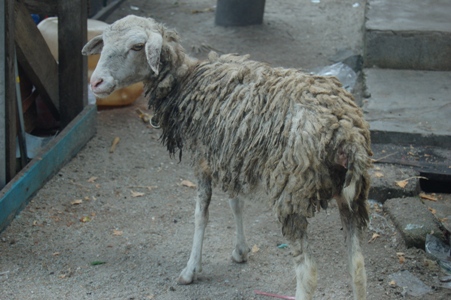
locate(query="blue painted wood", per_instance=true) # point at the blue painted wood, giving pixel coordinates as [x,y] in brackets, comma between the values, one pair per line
[16,194]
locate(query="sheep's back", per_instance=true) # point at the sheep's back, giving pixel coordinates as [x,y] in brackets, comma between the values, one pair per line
[254,123]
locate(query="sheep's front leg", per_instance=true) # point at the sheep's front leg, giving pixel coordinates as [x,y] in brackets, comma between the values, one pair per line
[294,227]
[241,250]
[194,264]
[355,257]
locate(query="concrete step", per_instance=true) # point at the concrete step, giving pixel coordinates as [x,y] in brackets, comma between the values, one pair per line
[414,220]
[409,107]
[406,34]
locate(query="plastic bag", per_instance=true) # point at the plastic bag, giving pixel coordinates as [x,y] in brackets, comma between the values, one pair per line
[343,72]
[440,251]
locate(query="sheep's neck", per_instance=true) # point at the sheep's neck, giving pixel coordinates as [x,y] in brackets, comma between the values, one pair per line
[175,66]
[163,92]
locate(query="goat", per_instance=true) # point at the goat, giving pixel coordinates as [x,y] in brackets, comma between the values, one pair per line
[297,137]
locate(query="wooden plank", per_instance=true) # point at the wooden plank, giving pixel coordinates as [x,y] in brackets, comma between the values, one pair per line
[35,58]
[10,92]
[44,7]
[2,95]
[72,22]
[55,155]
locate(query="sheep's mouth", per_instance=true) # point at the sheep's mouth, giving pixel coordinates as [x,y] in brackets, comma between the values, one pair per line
[103,93]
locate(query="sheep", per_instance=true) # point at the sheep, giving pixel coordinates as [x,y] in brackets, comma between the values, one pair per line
[292,138]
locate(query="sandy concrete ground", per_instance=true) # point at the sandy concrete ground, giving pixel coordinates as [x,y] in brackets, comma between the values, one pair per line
[119,225]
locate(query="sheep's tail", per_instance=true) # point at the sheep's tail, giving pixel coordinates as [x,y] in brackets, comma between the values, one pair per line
[356,159]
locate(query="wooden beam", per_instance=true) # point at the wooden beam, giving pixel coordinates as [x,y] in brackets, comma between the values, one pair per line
[35,58]
[10,92]
[15,195]
[3,7]
[72,28]
[44,7]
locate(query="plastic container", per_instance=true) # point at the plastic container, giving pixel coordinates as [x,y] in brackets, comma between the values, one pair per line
[121,97]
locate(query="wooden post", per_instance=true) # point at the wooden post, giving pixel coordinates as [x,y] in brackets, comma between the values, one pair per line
[10,92]
[72,28]
[35,58]
[2,95]
[44,7]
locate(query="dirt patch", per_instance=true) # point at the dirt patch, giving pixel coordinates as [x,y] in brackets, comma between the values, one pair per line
[119,225]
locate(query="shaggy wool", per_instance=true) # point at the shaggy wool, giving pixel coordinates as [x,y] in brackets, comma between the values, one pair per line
[299,136]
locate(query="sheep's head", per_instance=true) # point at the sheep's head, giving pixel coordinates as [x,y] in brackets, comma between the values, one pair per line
[130,50]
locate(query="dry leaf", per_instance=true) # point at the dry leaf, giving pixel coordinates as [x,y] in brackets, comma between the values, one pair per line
[114,144]
[188,183]
[401,257]
[56,253]
[255,249]
[143,116]
[137,194]
[374,237]
[402,183]
[77,202]
[92,179]
[378,174]
[431,197]
[392,283]
[55,218]
[117,232]
[85,219]
[433,211]
[198,11]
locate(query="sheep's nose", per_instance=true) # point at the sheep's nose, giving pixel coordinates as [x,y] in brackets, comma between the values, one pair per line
[96,83]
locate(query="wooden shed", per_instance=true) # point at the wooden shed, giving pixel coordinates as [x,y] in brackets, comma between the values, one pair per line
[61,85]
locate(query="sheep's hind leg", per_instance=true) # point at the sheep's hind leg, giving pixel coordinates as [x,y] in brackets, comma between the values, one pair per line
[194,265]
[241,250]
[294,227]
[352,232]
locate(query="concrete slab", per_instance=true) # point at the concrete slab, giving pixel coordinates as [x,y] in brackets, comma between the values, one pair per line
[409,107]
[441,208]
[413,219]
[407,34]
[384,178]
[405,15]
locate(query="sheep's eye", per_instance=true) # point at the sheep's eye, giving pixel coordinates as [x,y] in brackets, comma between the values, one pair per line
[137,47]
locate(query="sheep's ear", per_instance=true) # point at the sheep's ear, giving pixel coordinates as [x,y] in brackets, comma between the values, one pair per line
[153,51]
[94,46]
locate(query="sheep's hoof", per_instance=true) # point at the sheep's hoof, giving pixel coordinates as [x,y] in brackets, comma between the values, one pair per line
[183,281]
[240,256]
[186,277]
